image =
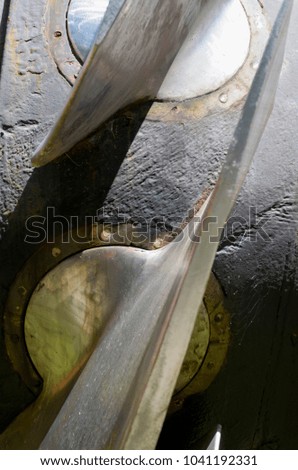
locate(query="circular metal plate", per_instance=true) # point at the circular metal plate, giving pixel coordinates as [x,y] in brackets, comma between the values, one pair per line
[221,53]
[83,20]
[212,54]
[62,300]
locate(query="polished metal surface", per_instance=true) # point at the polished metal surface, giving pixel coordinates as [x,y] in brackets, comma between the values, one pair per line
[197,350]
[120,388]
[125,65]
[212,54]
[246,139]
[84,17]
[215,443]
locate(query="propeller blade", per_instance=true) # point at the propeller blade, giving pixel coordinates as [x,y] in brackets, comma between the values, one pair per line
[126,65]
[170,283]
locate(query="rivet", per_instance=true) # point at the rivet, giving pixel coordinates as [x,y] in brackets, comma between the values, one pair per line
[255,65]
[178,402]
[56,252]
[210,365]
[218,317]
[223,98]
[105,235]
[158,243]
[22,291]
[57,34]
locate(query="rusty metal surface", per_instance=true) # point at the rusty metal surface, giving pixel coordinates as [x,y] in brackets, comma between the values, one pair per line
[45,259]
[111,79]
[219,41]
[57,36]
[216,353]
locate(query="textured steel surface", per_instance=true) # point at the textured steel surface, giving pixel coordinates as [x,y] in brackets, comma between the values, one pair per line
[112,79]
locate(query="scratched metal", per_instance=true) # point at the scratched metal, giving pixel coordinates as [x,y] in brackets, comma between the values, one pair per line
[122,388]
